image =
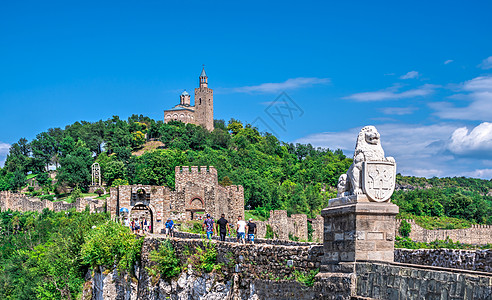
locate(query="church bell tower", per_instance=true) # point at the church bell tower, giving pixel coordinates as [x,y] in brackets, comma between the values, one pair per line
[204,103]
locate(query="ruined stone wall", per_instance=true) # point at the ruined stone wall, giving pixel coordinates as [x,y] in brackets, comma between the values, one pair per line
[299,226]
[257,261]
[477,234]
[391,281]
[279,222]
[282,226]
[475,260]
[318,227]
[20,202]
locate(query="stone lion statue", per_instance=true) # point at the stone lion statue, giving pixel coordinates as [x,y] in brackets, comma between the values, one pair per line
[367,148]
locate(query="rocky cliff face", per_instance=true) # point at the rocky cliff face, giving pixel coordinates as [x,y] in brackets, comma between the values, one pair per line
[245,281]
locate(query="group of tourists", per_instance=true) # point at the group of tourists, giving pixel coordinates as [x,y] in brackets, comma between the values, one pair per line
[223,227]
[138,226]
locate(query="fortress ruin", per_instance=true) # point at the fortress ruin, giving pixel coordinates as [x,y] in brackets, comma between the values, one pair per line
[197,191]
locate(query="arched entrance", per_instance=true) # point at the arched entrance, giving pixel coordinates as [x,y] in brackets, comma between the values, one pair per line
[143,212]
[194,208]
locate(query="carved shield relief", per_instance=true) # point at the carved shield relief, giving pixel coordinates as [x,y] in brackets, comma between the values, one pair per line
[378,180]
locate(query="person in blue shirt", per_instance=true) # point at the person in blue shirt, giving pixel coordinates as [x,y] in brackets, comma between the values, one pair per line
[208,225]
[169,227]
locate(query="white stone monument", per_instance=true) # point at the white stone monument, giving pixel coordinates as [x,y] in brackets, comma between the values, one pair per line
[360,223]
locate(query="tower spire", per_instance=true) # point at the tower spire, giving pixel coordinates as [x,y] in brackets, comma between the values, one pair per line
[203,78]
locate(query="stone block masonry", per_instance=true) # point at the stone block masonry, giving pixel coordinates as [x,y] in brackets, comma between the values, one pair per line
[475,260]
[393,282]
[283,226]
[264,274]
[20,202]
[476,235]
[359,231]
[197,191]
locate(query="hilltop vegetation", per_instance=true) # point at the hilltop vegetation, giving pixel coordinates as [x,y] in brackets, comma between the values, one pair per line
[298,178]
[275,175]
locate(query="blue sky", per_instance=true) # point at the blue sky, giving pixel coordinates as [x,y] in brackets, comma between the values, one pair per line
[420,71]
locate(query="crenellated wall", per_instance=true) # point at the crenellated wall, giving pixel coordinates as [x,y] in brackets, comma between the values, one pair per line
[477,234]
[197,191]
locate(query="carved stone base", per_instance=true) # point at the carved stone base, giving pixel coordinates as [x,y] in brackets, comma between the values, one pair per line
[356,230]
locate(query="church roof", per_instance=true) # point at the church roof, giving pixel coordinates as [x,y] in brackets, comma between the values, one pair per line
[203,73]
[179,107]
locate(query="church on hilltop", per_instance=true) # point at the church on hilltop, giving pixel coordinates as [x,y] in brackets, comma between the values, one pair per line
[202,113]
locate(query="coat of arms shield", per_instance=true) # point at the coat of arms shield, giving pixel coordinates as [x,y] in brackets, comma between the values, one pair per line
[378,180]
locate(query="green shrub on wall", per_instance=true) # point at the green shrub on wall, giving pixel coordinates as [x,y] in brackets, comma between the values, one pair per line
[111,244]
[405,228]
[167,264]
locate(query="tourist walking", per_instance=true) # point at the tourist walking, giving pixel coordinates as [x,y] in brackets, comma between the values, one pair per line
[169,227]
[208,225]
[223,227]
[132,225]
[251,231]
[145,226]
[137,226]
[241,229]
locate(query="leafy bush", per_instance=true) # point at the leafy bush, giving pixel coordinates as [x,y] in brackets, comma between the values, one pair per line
[99,192]
[306,279]
[269,232]
[405,228]
[167,264]
[205,259]
[111,244]
[117,182]
[40,253]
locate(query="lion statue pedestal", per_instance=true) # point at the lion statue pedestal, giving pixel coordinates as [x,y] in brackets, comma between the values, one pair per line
[360,223]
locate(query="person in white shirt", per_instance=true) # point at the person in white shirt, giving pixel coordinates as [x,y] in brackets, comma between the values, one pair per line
[241,229]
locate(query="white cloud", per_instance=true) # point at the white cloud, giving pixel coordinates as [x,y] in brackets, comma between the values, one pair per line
[478,108]
[478,84]
[486,63]
[477,142]
[448,61]
[4,150]
[419,150]
[399,111]
[393,94]
[410,75]
[289,84]
[479,173]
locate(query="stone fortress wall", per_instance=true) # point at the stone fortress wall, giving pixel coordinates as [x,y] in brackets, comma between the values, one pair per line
[20,202]
[477,234]
[263,271]
[197,191]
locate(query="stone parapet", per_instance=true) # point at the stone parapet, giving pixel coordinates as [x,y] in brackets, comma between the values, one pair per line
[392,281]
[475,260]
[476,234]
[188,235]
